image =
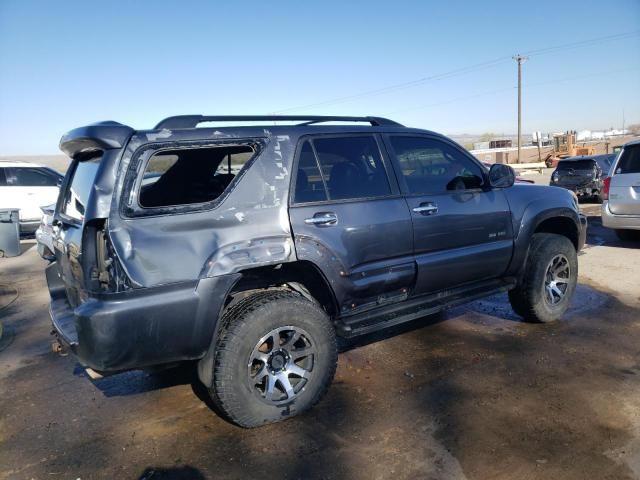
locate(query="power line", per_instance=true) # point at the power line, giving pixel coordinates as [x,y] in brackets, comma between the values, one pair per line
[593,41]
[509,89]
[400,86]
[456,72]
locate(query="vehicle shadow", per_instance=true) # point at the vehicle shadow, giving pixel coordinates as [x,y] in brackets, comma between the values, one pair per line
[174,473]
[597,234]
[496,307]
[136,382]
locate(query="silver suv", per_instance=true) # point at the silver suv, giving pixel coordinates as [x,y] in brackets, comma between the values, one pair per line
[621,193]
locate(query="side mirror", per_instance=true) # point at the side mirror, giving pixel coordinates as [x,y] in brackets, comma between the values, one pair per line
[501,176]
[59,182]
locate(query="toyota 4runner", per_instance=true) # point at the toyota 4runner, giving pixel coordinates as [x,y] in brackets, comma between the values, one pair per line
[248,249]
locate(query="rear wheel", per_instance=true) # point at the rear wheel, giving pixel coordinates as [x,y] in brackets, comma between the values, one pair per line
[275,358]
[548,281]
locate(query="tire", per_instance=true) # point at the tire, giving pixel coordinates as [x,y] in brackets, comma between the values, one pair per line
[531,299]
[628,235]
[258,341]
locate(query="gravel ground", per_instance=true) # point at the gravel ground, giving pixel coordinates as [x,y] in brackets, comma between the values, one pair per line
[471,394]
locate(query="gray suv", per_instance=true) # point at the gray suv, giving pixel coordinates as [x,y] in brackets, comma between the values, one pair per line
[621,206]
[249,249]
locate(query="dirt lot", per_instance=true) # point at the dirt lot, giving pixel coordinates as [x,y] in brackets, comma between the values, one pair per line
[473,394]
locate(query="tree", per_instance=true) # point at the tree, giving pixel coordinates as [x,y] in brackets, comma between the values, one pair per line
[634,129]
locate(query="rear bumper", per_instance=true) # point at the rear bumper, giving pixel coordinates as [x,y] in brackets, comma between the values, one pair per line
[140,327]
[619,222]
[580,190]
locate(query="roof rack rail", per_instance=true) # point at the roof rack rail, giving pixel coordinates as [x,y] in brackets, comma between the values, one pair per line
[191,121]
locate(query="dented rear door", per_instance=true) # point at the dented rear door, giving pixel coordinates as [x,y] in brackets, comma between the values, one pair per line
[69,223]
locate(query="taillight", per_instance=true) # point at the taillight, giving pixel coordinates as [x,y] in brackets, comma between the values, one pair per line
[606,184]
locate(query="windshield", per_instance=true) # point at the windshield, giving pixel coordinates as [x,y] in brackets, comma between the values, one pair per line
[76,197]
[576,165]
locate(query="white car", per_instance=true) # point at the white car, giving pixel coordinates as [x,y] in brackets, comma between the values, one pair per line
[28,186]
[44,233]
[621,208]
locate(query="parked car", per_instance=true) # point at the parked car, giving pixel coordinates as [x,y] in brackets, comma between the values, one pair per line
[583,175]
[519,178]
[621,194]
[324,231]
[44,233]
[28,186]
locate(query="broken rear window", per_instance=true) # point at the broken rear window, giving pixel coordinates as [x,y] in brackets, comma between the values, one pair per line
[191,176]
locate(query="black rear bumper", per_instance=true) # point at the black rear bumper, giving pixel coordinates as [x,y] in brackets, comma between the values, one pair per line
[140,327]
[582,189]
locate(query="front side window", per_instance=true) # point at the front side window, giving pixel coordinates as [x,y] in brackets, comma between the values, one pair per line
[430,166]
[349,168]
[33,177]
[629,160]
[191,176]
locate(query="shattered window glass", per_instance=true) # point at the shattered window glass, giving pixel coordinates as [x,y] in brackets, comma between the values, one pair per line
[191,176]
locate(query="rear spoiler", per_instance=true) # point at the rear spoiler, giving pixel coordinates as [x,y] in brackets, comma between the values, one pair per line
[85,141]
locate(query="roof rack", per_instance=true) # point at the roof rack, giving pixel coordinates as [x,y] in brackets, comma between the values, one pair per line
[191,121]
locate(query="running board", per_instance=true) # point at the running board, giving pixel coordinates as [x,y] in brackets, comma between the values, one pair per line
[412,309]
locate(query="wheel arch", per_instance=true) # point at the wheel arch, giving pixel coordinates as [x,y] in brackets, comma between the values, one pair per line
[560,220]
[560,225]
[303,277]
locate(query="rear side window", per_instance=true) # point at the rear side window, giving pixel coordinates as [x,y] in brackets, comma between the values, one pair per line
[629,160]
[345,168]
[191,176]
[3,178]
[33,177]
[76,197]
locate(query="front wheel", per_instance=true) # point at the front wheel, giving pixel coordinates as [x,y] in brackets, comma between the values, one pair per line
[275,358]
[549,279]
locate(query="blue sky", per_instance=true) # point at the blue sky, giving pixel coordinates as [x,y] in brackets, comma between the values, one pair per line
[69,63]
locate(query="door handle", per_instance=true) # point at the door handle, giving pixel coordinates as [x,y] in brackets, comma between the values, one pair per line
[426,209]
[328,218]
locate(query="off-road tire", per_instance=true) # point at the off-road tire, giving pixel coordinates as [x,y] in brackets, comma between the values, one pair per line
[528,297]
[244,324]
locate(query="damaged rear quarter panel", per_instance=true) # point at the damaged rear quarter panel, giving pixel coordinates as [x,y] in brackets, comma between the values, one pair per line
[246,227]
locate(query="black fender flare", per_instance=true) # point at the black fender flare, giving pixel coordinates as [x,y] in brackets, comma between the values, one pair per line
[534,215]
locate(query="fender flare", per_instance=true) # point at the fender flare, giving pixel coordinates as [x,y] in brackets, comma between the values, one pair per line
[532,218]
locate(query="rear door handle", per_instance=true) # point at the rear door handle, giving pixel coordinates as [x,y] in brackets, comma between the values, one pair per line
[426,209]
[325,218]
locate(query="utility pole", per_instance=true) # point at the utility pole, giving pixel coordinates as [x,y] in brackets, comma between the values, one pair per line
[519,59]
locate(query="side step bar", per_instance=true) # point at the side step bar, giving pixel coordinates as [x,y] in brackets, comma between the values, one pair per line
[412,309]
